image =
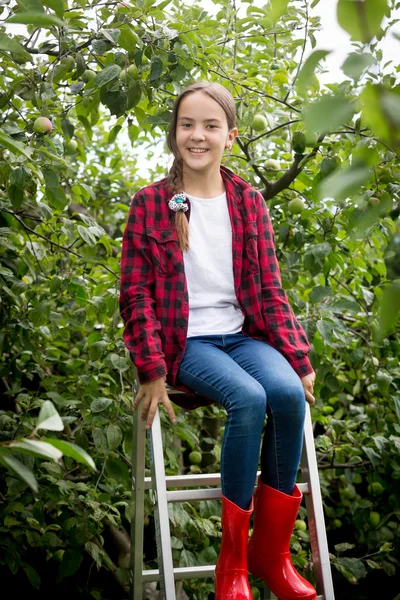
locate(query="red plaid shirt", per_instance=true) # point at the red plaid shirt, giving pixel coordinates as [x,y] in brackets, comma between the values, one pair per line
[154,298]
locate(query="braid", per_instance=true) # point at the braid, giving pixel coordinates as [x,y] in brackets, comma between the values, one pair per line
[175,183]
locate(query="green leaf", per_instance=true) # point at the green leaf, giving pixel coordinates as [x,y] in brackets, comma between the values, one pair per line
[319,293]
[33,576]
[114,436]
[119,362]
[14,146]
[118,470]
[328,113]
[70,562]
[389,308]
[326,329]
[12,45]
[307,71]
[37,448]
[361,18]
[187,559]
[355,64]
[343,183]
[277,9]
[21,470]
[100,404]
[31,5]
[86,235]
[40,314]
[134,93]
[73,451]
[373,456]
[6,272]
[36,19]
[56,5]
[156,68]
[49,418]
[108,74]
[100,440]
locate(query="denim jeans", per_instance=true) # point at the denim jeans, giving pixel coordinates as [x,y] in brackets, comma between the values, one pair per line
[250,379]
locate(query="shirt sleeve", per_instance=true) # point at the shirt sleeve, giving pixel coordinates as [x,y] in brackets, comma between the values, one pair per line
[282,328]
[137,306]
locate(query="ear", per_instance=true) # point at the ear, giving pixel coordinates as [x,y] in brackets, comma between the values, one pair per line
[232,135]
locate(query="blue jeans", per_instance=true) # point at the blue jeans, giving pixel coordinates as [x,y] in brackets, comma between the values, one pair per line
[249,378]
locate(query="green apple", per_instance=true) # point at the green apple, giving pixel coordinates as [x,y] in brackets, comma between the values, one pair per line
[133,72]
[374,518]
[375,488]
[259,122]
[70,147]
[298,142]
[296,206]
[195,457]
[337,523]
[42,125]
[68,62]
[88,75]
[272,165]
[300,525]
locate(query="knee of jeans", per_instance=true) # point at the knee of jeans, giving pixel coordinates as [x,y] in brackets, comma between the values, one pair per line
[249,403]
[293,402]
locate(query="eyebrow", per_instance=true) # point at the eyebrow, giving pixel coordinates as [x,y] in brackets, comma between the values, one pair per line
[205,120]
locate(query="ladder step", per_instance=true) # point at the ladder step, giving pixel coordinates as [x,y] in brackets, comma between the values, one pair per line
[187,573]
[193,481]
[181,573]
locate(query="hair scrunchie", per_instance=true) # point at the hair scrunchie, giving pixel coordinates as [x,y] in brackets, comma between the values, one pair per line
[178,203]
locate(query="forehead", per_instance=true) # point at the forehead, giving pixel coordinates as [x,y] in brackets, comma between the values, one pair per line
[200,106]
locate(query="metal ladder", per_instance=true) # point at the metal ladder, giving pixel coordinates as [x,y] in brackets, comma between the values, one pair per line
[161,486]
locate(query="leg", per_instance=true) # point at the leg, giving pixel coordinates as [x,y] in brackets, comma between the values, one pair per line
[207,369]
[277,498]
[286,404]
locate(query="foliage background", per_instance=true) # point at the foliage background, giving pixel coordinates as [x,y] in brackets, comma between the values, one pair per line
[63,205]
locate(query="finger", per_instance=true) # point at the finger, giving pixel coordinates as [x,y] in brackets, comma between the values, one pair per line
[310,398]
[170,410]
[138,400]
[151,413]
[145,409]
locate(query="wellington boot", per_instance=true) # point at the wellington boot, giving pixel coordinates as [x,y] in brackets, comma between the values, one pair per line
[231,577]
[269,546]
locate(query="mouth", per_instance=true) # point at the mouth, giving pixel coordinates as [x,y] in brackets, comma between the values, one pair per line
[198,150]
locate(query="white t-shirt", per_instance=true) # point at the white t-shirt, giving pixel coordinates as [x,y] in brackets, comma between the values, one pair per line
[213,307]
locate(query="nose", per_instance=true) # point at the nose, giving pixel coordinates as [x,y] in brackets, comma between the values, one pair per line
[197,133]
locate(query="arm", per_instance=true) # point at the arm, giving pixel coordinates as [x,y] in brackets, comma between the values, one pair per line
[282,328]
[137,305]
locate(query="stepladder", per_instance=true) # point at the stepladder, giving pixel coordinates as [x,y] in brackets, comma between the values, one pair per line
[189,488]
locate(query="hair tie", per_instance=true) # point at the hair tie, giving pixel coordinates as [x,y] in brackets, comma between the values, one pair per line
[178,203]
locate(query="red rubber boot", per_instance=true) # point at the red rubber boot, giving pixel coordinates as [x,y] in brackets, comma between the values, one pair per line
[269,546]
[231,577]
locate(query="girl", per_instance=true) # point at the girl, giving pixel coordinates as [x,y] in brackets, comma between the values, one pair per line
[204,310]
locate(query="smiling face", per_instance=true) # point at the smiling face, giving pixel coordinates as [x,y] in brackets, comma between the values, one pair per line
[202,126]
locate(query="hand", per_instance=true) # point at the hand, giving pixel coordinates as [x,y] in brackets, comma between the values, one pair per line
[153,393]
[308,385]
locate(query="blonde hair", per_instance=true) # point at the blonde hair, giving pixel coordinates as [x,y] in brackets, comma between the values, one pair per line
[217,92]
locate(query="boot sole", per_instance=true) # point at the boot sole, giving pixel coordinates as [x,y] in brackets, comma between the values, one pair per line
[281,597]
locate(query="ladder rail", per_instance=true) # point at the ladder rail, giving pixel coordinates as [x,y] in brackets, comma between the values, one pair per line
[137,514]
[315,512]
[163,534]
